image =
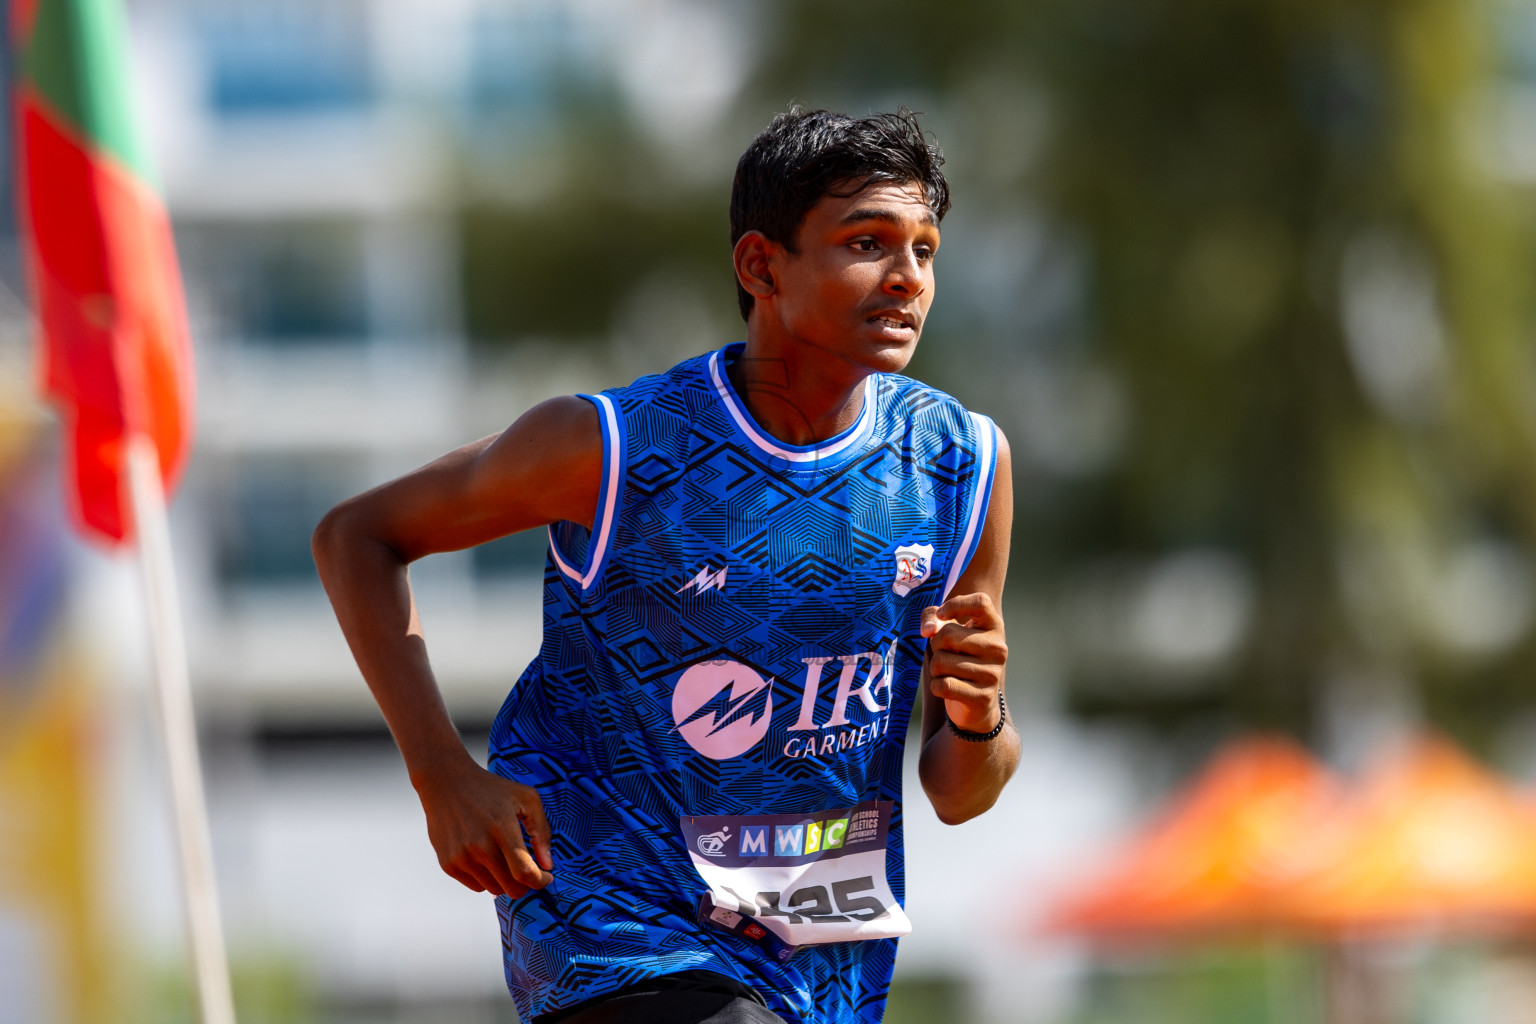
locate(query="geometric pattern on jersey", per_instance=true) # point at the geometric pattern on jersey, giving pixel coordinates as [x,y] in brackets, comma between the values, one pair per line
[715,543]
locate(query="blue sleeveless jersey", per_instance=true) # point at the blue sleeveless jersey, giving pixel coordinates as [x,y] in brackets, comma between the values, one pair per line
[796,577]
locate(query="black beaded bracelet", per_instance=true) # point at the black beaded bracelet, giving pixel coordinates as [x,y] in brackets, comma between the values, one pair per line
[982,737]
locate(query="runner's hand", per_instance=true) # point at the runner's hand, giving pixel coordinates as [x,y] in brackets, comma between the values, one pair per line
[476,821]
[966,658]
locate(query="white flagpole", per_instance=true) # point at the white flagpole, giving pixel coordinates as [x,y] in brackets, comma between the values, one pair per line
[173,697]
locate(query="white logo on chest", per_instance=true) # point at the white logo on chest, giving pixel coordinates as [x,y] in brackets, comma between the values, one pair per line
[714,710]
[706,580]
[914,563]
[723,709]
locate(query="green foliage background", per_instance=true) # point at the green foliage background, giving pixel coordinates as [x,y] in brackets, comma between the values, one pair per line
[1208,166]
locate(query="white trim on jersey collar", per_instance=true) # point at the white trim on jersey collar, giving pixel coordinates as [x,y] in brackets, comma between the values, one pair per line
[774,448]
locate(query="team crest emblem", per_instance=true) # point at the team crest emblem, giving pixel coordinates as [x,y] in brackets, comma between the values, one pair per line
[914,562]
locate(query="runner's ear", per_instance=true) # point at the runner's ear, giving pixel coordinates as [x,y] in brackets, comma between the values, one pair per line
[752,257]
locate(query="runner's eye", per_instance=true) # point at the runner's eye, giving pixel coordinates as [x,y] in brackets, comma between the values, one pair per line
[865,244]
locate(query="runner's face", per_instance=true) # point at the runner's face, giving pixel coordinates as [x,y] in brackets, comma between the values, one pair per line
[861,282]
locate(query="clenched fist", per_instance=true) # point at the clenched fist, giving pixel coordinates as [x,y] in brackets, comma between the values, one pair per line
[966,659]
[476,820]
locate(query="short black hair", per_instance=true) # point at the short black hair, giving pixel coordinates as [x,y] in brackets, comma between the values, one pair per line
[805,154]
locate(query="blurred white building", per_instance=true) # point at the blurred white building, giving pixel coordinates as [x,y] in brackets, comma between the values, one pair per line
[310,157]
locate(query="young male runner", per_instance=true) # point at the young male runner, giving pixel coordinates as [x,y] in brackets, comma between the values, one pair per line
[756,562]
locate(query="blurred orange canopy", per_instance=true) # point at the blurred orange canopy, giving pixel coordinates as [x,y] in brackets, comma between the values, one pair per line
[1265,838]
[1214,858]
[1430,839]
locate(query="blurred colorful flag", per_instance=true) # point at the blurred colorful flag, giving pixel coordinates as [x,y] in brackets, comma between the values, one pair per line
[54,941]
[117,358]
[53,926]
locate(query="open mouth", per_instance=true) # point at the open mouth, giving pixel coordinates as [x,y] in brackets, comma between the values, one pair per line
[891,320]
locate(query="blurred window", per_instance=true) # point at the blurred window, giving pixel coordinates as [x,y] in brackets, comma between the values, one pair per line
[519,554]
[285,55]
[306,284]
[271,505]
[287,284]
[521,57]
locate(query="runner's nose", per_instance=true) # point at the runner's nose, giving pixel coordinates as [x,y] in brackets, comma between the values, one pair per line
[905,276]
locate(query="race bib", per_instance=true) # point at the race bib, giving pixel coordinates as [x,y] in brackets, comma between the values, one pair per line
[803,878]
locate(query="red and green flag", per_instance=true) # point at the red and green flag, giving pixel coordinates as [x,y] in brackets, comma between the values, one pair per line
[116,354]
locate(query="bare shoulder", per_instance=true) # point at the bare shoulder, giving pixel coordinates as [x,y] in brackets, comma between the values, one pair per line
[1002,482]
[561,436]
[989,567]
[544,468]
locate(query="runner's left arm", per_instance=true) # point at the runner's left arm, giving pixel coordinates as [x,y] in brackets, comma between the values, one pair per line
[964,670]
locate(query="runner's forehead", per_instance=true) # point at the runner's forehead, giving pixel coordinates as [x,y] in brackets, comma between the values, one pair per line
[899,204]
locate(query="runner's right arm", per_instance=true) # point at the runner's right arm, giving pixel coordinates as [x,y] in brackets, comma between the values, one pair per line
[544,468]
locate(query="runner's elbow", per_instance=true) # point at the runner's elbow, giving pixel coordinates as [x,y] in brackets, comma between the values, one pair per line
[950,817]
[958,795]
[955,812]
[955,804]
[332,536]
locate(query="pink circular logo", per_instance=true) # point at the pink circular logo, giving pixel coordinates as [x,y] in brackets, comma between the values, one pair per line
[717,708]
